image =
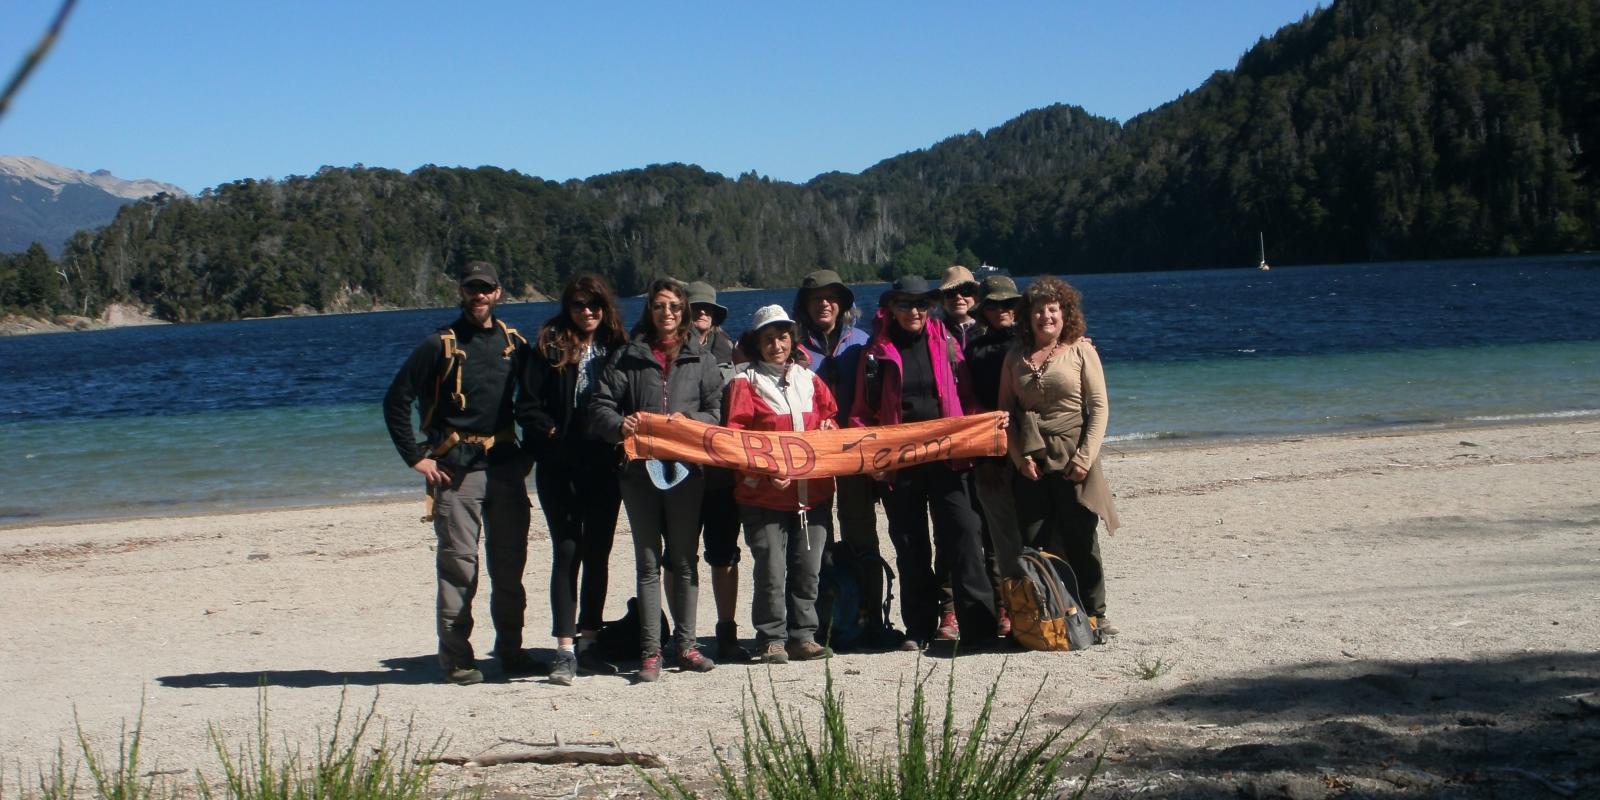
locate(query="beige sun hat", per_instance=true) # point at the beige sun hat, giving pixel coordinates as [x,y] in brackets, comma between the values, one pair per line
[957,276]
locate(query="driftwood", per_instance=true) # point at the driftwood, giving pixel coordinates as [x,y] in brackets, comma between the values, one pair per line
[597,755]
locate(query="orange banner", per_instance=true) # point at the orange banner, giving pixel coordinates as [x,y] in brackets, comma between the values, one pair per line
[818,454]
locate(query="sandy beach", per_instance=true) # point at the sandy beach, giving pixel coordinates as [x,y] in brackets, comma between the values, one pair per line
[1412,613]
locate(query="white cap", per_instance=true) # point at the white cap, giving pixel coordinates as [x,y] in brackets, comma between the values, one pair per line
[769,315]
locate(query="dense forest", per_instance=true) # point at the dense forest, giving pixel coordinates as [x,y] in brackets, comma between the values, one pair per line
[1372,129]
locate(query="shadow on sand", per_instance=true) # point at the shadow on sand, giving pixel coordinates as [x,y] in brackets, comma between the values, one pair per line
[402,671]
[1523,725]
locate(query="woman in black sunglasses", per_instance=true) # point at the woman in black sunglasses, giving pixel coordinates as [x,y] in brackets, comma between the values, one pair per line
[577,472]
[913,371]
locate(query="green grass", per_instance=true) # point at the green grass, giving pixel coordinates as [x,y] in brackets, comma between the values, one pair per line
[351,762]
[1146,668]
[781,758]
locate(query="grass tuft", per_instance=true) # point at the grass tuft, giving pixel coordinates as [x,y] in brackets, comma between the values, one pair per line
[781,758]
[1146,668]
[351,763]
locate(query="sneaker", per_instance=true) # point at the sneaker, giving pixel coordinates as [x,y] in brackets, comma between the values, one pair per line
[565,668]
[692,660]
[729,651]
[1002,625]
[1105,627]
[518,662]
[774,652]
[949,629]
[808,651]
[463,676]
[591,661]
[650,668]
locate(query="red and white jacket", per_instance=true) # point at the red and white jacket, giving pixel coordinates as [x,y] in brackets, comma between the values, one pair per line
[753,398]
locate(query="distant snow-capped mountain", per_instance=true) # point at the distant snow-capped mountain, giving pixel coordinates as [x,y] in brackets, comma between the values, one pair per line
[47,203]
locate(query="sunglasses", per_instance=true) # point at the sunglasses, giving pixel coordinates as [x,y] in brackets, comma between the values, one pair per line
[1003,305]
[961,291]
[919,304]
[674,308]
[586,305]
[478,287]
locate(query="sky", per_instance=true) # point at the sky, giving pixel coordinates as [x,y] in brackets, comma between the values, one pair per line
[203,93]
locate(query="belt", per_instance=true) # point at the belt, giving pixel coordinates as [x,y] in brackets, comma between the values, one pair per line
[454,437]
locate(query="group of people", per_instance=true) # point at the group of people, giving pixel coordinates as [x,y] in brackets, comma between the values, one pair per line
[577,389]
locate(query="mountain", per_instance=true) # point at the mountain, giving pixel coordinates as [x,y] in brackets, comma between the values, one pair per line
[1368,130]
[47,203]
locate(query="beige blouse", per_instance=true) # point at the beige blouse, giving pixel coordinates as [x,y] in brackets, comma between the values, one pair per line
[1072,383]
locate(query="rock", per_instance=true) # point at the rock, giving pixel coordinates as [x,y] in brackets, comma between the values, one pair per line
[1409,777]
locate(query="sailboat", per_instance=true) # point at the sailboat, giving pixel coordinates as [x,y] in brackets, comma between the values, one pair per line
[1263,265]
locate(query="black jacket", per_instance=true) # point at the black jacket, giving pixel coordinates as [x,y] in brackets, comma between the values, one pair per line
[488,383]
[545,403]
[986,357]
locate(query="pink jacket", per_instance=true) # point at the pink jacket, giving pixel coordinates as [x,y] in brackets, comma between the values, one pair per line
[949,372]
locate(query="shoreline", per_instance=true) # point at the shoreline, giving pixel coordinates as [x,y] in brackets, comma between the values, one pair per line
[1109,448]
[1330,610]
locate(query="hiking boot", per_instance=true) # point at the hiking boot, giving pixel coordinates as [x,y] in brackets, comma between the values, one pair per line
[729,651]
[1105,627]
[692,660]
[774,652]
[808,651]
[463,676]
[949,630]
[591,661]
[649,668]
[1002,625]
[565,668]
[908,644]
[518,662]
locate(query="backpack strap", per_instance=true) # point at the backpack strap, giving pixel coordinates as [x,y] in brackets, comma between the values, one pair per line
[513,339]
[450,361]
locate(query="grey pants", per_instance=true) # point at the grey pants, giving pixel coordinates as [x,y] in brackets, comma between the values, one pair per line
[492,503]
[786,547]
[670,520]
[994,477]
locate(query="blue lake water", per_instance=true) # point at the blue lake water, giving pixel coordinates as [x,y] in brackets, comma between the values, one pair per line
[167,419]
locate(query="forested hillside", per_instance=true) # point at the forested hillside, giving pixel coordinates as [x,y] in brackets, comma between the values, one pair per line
[1373,129]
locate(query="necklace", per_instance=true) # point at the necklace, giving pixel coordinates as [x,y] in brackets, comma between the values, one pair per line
[1037,370]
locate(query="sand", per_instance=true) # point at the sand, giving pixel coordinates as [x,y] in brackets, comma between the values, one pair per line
[1412,613]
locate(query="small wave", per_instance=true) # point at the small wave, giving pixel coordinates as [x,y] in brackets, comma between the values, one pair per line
[1582,412]
[1139,437]
[1246,350]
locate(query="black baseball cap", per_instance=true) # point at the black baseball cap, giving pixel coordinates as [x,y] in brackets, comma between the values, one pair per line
[480,271]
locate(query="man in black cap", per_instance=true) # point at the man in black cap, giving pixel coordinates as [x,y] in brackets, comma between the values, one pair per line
[463,377]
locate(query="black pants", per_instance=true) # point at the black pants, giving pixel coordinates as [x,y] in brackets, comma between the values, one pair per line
[577,485]
[937,489]
[1051,519]
[719,521]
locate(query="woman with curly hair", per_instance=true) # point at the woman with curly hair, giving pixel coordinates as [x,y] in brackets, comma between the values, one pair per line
[1054,386]
[577,472]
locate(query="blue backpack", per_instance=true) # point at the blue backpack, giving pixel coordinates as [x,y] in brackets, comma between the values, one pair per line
[846,618]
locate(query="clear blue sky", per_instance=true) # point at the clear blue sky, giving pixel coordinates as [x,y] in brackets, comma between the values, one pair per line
[202,93]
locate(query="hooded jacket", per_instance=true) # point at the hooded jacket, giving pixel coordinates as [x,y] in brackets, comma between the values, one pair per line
[747,409]
[837,369]
[633,380]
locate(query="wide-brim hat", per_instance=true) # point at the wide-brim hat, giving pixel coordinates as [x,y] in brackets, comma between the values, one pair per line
[704,294]
[957,276]
[908,286]
[480,271]
[998,289]
[824,278]
[769,315]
